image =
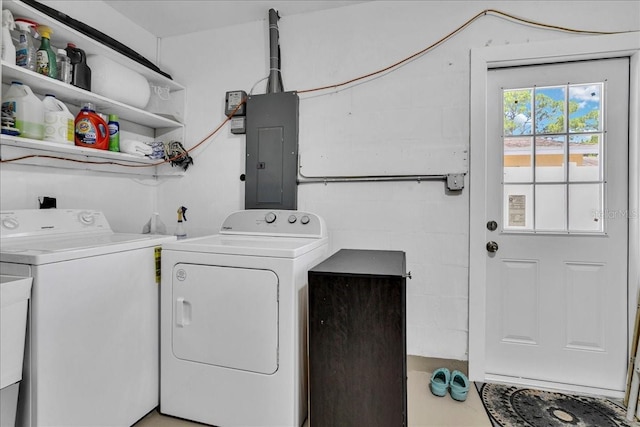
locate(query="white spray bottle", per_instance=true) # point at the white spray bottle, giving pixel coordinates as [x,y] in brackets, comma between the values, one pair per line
[181,232]
[8,49]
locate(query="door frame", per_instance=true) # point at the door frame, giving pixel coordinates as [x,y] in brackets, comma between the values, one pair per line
[548,52]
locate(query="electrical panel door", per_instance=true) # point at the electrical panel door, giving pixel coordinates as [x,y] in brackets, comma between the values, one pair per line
[272,151]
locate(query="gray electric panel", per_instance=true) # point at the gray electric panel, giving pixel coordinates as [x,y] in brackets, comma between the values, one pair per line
[272,151]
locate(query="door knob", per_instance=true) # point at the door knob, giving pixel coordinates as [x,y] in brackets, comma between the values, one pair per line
[492,246]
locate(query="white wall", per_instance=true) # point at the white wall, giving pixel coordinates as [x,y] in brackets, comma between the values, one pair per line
[386,126]
[389,125]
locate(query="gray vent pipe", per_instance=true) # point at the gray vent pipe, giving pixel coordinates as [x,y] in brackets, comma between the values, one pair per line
[275,78]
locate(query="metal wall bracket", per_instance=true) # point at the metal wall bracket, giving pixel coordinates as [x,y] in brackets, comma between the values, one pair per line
[455,181]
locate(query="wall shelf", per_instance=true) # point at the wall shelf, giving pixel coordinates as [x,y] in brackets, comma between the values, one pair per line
[134,120]
[62,35]
[70,94]
[63,156]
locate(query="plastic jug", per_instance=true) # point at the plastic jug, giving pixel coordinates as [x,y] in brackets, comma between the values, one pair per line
[26,109]
[58,121]
[81,74]
[90,129]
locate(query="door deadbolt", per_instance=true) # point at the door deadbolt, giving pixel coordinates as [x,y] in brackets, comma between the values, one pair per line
[492,225]
[492,246]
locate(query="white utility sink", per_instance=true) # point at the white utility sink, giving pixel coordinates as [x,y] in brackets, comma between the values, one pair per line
[14,301]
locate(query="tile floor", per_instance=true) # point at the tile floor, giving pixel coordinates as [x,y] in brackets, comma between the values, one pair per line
[425,409]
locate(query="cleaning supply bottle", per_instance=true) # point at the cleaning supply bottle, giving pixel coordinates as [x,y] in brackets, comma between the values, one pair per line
[64,66]
[26,109]
[8,49]
[90,129]
[25,50]
[45,56]
[81,74]
[181,232]
[58,120]
[114,133]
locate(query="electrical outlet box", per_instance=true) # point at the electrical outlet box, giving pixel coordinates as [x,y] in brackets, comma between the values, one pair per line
[231,101]
[237,125]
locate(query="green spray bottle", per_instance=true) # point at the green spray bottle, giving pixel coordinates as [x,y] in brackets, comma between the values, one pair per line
[45,56]
[181,232]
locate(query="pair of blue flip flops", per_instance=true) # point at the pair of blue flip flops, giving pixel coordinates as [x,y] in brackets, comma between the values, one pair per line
[456,382]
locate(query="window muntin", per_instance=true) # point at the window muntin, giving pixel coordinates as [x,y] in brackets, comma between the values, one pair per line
[553,156]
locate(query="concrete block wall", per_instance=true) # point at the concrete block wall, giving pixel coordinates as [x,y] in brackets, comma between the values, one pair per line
[413,120]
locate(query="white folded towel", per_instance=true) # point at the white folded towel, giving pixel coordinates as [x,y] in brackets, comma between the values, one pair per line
[135,147]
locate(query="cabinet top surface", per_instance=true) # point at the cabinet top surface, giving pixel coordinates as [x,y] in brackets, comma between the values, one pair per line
[363,262]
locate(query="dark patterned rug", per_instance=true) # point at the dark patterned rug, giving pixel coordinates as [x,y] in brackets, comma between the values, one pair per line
[510,406]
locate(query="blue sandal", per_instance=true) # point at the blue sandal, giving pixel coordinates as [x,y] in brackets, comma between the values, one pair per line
[459,386]
[440,381]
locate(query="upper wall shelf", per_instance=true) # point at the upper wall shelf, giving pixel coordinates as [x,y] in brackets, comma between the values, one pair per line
[134,120]
[70,94]
[63,35]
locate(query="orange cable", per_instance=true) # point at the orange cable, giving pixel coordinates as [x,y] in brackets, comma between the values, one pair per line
[383,70]
[447,37]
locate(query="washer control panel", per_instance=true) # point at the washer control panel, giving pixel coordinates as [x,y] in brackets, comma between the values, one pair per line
[274,223]
[42,222]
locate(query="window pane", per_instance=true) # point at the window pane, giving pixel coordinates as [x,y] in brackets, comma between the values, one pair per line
[585,108]
[517,111]
[585,207]
[585,154]
[550,159]
[518,207]
[518,159]
[550,207]
[550,115]
[553,157]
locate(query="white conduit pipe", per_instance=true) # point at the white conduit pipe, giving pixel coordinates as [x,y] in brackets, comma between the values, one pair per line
[370,178]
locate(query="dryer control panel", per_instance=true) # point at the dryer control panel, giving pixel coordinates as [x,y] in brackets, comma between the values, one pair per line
[284,223]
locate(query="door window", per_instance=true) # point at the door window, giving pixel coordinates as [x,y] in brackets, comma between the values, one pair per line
[553,139]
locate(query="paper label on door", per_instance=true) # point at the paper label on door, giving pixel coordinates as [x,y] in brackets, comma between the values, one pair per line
[517,205]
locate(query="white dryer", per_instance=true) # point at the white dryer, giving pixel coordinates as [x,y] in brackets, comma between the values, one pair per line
[233,320]
[92,342]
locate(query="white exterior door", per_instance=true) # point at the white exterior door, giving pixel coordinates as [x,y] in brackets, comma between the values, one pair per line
[557,223]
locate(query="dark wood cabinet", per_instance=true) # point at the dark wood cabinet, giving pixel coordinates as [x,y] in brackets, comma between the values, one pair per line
[357,340]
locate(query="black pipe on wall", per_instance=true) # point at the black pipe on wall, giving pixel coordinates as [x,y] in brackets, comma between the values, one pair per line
[274,84]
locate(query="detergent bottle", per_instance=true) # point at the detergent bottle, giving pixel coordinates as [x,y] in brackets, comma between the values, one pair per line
[181,232]
[81,73]
[90,129]
[45,56]
[58,120]
[26,110]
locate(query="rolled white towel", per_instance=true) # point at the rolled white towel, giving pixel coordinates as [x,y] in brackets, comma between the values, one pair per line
[135,147]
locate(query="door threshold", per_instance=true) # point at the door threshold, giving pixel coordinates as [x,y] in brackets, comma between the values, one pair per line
[554,386]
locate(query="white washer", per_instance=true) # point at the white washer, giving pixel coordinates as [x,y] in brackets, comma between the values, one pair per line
[233,320]
[92,343]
